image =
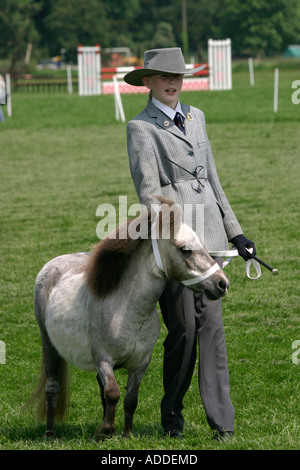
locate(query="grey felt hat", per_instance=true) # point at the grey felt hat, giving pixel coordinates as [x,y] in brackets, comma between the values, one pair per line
[167,60]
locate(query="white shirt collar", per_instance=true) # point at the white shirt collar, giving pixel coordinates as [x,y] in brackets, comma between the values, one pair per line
[167,110]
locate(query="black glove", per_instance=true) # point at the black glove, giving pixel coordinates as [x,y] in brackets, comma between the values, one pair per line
[241,243]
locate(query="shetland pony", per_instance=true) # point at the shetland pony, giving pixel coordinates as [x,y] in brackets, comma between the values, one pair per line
[98,311]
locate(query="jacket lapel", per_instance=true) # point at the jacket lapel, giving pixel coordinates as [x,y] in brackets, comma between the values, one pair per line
[188,120]
[168,124]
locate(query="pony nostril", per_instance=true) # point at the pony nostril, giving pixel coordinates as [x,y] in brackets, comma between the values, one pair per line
[223,285]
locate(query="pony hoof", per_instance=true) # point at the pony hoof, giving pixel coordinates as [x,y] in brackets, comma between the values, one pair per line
[102,434]
[49,434]
[102,437]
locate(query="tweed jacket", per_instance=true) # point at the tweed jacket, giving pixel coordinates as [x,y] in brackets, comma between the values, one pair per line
[153,140]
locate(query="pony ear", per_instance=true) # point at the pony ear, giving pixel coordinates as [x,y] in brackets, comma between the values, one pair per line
[171,220]
[167,216]
[166,220]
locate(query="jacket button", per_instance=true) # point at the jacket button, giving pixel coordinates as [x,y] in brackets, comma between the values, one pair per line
[191,153]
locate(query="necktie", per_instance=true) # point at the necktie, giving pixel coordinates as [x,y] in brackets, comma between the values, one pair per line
[178,119]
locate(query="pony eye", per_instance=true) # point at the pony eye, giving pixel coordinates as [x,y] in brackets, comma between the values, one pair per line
[185,251]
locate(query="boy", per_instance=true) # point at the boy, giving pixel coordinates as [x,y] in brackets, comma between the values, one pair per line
[170,154]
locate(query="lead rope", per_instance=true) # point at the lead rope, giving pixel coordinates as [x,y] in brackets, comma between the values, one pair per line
[255,264]
[249,262]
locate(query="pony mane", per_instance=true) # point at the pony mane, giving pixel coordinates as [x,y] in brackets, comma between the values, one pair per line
[110,257]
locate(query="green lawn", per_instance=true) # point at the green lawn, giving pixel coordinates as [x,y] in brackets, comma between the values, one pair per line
[61,156]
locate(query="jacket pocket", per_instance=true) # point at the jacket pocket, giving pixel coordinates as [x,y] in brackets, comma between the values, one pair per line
[200,153]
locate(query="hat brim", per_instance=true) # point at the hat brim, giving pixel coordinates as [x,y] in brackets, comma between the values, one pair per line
[135,76]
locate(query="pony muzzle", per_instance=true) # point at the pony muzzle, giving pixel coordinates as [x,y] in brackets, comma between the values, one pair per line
[221,288]
[199,279]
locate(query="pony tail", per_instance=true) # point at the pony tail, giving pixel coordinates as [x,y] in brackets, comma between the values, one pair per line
[39,394]
[63,402]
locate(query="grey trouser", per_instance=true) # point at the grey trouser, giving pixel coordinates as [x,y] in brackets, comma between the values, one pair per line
[191,317]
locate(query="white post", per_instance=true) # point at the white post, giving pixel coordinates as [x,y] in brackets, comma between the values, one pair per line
[8,94]
[210,63]
[98,69]
[80,70]
[228,64]
[251,71]
[2,352]
[119,111]
[276,81]
[69,76]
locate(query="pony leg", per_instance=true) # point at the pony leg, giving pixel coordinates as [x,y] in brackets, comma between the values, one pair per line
[110,394]
[102,395]
[55,387]
[131,398]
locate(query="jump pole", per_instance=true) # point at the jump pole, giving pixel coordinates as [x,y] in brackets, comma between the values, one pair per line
[119,111]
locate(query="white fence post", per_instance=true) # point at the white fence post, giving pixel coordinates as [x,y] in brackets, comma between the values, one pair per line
[251,71]
[276,82]
[8,95]
[69,77]
[89,70]
[220,65]
[2,352]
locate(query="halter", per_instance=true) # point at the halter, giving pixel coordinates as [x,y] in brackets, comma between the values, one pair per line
[188,282]
[196,280]
[212,269]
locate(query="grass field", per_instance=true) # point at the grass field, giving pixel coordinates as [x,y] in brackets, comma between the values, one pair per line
[61,156]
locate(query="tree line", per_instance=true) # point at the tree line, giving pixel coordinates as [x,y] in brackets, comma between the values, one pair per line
[256,27]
